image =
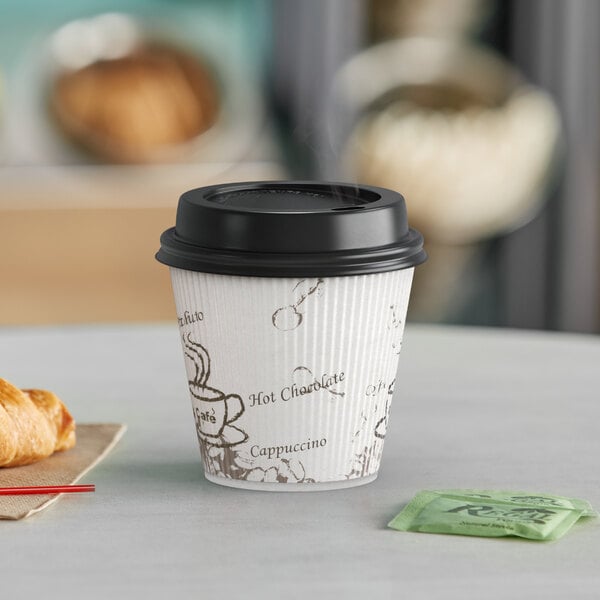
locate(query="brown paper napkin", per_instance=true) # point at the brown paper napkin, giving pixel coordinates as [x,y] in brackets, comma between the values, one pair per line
[94,442]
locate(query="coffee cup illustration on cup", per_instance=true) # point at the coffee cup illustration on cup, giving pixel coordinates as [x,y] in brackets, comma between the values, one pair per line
[214,411]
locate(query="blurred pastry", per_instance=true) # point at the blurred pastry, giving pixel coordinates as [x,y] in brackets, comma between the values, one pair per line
[140,107]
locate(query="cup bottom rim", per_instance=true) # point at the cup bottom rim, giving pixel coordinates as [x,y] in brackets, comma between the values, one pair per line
[261,486]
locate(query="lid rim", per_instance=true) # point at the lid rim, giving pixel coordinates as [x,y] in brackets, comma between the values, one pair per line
[183,255]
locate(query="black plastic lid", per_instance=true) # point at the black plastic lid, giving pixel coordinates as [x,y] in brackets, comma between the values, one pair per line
[291,229]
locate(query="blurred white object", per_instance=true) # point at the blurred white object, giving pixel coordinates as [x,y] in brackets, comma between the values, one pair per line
[456,130]
[469,144]
[86,41]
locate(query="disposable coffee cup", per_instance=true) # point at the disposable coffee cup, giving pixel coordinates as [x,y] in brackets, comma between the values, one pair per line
[291,300]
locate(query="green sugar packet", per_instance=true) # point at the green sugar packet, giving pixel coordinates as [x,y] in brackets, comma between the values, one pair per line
[490,513]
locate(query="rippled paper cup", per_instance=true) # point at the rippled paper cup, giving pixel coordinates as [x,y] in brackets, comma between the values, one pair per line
[291,300]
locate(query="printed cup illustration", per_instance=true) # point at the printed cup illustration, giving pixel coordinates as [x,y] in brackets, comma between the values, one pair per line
[214,412]
[290,316]
[291,301]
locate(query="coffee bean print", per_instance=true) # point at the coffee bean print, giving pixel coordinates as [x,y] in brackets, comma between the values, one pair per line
[290,317]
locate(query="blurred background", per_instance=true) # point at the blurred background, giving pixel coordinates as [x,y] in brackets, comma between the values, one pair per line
[485,114]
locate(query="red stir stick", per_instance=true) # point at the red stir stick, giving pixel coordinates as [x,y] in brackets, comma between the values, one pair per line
[46,489]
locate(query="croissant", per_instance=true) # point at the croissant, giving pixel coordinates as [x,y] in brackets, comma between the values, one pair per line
[33,425]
